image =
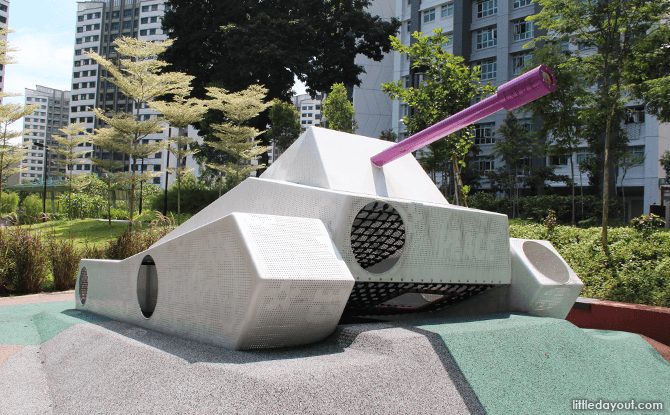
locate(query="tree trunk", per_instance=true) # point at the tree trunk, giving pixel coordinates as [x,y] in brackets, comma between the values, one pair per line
[572,173]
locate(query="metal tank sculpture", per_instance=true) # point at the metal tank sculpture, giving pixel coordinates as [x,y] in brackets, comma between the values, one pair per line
[335,226]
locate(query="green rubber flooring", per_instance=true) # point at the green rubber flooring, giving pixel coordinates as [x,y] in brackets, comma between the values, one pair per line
[33,324]
[540,365]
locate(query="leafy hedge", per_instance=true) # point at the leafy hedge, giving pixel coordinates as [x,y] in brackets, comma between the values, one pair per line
[639,271]
[536,208]
[27,258]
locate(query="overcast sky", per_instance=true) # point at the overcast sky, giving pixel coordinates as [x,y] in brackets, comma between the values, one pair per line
[44,34]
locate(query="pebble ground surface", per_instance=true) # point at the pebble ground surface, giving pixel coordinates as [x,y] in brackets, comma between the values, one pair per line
[57,360]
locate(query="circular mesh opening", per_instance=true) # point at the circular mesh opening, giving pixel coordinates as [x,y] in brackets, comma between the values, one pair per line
[546,262]
[377,237]
[83,285]
[147,286]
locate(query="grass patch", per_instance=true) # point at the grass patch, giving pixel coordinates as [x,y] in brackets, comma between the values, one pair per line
[84,231]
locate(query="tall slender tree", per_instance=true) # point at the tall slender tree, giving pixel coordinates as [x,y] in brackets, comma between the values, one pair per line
[138,75]
[611,28]
[448,86]
[11,154]
[180,113]
[339,111]
[235,136]
[108,139]
[75,135]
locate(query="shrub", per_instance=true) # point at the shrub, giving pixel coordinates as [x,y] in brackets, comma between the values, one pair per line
[647,223]
[9,202]
[25,261]
[195,196]
[116,213]
[32,206]
[132,243]
[65,259]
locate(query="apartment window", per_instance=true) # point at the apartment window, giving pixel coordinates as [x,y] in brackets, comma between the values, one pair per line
[144,20]
[80,29]
[450,41]
[143,32]
[145,8]
[126,24]
[447,10]
[97,15]
[484,133]
[558,161]
[523,30]
[77,74]
[634,115]
[526,124]
[115,26]
[96,26]
[521,3]
[96,38]
[636,153]
[582,154]
[78,41]
[87,39]
[519,60]
[80,18]
[89,16]
[486,8]
[75,86]
[75,98]
[128,13]
[152,31]
[485,163]
[487,38]
[3,7]
[429,16]
[489,69]
[409,27]
[154,7]
[115,15]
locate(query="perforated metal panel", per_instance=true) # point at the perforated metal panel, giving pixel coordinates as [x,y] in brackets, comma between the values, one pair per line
[542,282]
[244,281]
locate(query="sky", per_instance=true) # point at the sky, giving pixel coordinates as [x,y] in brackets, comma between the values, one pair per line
[44,33]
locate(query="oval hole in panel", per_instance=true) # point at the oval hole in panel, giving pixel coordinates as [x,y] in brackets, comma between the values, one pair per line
[377,237]
[147,286]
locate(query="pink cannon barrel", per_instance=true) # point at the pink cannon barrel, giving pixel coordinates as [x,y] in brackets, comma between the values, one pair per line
[511,95]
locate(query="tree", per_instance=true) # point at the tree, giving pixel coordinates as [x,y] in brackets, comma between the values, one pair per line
[110,140]
[139,78]
[625,163]
[612,28]
[448,86]
[665,163]
[339,111]
[180,113]
[560,113]
[75,135]
[515,145]
[235,136]
[284,124]
[10,154]
[388,135]
[649,76]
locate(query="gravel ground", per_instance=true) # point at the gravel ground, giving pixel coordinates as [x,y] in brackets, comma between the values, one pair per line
[117,368]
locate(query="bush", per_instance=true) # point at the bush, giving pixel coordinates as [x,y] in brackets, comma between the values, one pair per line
[116,213]
[32,206]
[195,196]
[24,263]
[9,202]
[132,243]
[65,259]
[647,223]
[638,271]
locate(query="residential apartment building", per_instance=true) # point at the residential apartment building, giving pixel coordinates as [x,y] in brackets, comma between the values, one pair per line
[43,125]
[99,24]
[492,34]
[4,16]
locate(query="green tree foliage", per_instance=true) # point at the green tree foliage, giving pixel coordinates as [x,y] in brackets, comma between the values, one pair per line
[516,146]
[110,140]
[612,28]
[388,135]
[11,154]
[665,163]
[649,76]
[75,135]
[339,111]
[448,86]
[180,113]
[139,77]
[562,119]
[235,136]
[284,124]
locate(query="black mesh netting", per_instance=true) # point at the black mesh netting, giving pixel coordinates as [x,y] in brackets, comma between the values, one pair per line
[377,234]
[384,298]
[83,285]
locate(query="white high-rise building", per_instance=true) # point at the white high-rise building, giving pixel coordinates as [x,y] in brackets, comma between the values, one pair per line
[492,33]
[43,124]
[4,16]
[99,23]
